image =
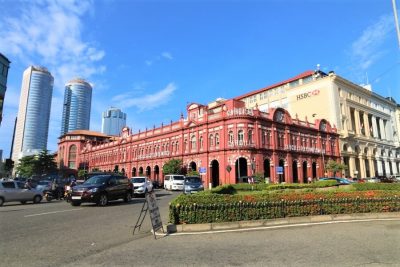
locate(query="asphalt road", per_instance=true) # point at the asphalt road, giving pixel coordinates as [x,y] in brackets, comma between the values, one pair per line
[57,234]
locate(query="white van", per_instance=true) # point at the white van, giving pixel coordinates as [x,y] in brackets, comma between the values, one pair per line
[174,181]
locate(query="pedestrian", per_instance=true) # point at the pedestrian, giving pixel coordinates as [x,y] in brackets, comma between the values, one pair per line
[54,189]
[28,184]
[309,179]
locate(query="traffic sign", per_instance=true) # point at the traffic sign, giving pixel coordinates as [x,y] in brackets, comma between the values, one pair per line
[279,170]
[202,170]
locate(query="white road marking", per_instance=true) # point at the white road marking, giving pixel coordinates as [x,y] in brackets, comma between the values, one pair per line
[274,227]
[52,212]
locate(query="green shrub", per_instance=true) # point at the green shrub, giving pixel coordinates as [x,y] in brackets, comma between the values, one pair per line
[224,189]
[319,184]
[377,186]
[250,187]
[210,207]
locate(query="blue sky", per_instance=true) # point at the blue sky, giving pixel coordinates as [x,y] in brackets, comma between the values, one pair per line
[152,58]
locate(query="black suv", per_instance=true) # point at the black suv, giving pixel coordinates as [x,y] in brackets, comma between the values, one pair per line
[102,188]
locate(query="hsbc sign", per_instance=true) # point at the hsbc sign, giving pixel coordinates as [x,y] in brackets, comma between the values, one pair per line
[308,94]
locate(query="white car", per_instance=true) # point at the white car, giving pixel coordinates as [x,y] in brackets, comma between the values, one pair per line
[17,191]
[141,185]
[174,182]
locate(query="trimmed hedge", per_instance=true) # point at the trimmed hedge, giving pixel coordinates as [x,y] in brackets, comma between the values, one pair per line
[228,212]
[233,188]
[210,207]
[318,184]
[377,186]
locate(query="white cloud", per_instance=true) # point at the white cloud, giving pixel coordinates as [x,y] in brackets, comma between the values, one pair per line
[49,33]
[164,55]
[366,50]
[147,102]
[167,55]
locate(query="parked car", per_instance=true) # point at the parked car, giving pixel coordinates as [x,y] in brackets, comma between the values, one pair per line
[102,188]
[17,191]
[388,180]
[247,179]
[373,180]
[141,185]
[339,180]
[192,184]
[173,182]
[44,185]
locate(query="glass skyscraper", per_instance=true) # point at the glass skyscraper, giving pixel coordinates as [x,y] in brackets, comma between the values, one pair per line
[4,66]
[34,112]
[113,121]
[77,105]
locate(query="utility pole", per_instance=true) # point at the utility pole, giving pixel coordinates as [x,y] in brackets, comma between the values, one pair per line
[396,21]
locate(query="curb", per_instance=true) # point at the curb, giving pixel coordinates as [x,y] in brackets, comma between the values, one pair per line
[204,227]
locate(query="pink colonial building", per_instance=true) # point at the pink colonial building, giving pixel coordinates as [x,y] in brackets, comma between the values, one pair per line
[223,140]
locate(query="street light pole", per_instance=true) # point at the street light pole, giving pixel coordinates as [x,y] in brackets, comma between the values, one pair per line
[396,21]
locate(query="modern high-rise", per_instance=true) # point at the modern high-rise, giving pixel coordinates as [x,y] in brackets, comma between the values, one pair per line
[4,66]
[77,105]
[113,120]
[34,112]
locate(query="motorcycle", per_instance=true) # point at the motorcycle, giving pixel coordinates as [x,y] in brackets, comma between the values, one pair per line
[48,195]
[67,193]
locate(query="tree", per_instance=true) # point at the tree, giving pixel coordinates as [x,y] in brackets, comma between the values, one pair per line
[82,173]
[26,166]
[173,166]
[335,167]
[45,163]
[193,173]
[40,164]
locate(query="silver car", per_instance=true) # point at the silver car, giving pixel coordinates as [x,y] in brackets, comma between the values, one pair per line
[17,191]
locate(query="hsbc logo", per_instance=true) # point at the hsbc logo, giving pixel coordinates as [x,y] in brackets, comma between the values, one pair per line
[307,95]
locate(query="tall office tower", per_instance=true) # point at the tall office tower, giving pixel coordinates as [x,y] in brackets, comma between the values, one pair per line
[77,104]
[113,121]
[34,112]
[4,66]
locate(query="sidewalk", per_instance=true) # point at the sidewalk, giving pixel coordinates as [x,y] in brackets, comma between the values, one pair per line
[209,227]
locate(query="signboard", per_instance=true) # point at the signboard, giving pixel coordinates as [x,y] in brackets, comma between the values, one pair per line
[202,170]
[279,170]
[155,216]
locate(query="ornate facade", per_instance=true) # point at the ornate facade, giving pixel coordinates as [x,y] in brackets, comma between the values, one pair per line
[366,121]
[223,140]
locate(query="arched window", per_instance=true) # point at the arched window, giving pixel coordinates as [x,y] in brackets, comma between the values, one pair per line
[217,139]
[250,136]
[201,142]
[186,144]
[240,137]
[230,137]
[72,157]
[193,142]
[211,140]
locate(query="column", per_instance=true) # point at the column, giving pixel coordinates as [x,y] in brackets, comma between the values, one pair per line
[389,131]
[371,167]
[366,125]
[382,129]
[387,167]
[379,164]
[352,165]
[362,171]
[394,167]
[374,127]
[357,121]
